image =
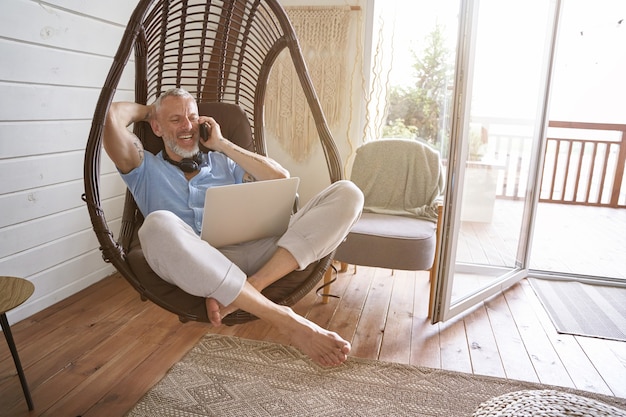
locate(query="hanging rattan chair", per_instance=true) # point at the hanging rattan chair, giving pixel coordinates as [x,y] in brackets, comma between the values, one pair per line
[222,52]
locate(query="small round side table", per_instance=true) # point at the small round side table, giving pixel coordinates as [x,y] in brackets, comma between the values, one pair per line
[13,292]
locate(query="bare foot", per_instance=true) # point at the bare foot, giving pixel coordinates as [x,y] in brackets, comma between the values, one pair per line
[225,311]
[213,311]
[324,347]
[217,312]
[212,305]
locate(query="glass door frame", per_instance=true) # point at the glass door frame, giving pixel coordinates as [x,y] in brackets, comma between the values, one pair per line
[441,307]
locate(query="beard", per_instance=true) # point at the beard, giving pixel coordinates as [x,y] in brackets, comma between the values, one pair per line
[173,146]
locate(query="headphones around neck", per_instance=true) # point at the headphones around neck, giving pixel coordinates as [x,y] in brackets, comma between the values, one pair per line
[187,165]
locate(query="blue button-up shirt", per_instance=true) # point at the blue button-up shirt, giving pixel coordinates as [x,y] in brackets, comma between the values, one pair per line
[158,185]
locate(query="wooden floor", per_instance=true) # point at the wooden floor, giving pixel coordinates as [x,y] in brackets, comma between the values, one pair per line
[96,353]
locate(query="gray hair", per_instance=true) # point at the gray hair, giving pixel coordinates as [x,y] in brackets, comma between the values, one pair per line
[172,92]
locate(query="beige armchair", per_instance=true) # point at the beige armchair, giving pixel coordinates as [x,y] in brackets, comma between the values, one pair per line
[402,181]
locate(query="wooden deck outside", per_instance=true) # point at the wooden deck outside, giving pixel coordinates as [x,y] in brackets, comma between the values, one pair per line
[576,239]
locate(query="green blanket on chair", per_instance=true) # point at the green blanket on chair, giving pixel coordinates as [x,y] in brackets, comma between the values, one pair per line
[414,186]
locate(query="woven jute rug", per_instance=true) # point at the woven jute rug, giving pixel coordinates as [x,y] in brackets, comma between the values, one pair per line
[233,377]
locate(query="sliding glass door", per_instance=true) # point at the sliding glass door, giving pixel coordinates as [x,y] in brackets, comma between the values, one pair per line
[498,123]
[581,218]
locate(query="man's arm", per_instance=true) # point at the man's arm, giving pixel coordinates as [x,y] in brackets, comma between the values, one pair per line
[257,167]
[123,147]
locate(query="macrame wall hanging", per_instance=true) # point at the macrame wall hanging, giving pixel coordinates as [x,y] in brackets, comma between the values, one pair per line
[323,36]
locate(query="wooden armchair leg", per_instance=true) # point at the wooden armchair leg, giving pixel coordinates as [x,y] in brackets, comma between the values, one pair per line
[432,276]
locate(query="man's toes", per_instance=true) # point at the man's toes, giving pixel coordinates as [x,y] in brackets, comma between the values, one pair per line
[213,312]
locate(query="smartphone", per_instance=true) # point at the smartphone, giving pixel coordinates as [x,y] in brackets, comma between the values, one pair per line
[204,136]
[204,132]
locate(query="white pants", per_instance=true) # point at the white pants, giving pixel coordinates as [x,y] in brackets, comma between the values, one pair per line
[178,255]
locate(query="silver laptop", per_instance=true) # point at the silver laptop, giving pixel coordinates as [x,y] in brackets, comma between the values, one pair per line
[243,212]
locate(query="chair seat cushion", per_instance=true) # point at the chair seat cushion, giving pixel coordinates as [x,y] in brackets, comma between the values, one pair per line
[387,241]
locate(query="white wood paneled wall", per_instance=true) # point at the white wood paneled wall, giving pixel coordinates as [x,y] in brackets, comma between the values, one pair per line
[54,58]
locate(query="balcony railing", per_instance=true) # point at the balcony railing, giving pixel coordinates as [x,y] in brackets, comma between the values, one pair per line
[584,162]
[585,168]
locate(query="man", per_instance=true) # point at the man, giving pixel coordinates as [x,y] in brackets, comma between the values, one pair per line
[172,202]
